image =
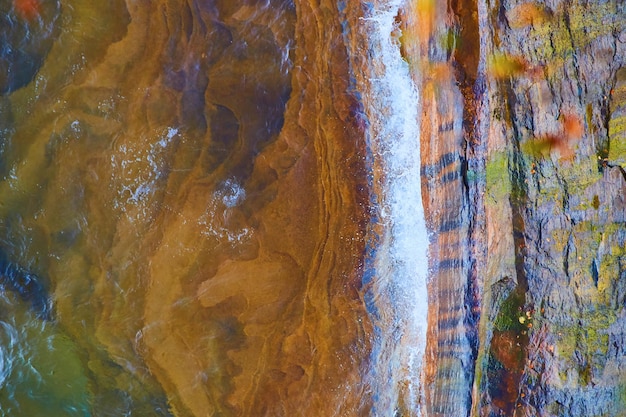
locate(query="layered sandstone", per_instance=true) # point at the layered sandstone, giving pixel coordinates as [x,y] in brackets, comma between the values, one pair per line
[525,192]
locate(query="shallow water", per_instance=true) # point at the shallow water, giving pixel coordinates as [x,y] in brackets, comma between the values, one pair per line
[209,208]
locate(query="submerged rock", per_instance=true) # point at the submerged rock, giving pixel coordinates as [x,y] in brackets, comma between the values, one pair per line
[27,32]
[30,288]
[189,181]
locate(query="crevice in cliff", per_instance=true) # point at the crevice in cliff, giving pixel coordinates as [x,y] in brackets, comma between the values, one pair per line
[465,59]
[575,63]
[507,351]
[518,198]
[566,255]
[594,272]
[603,143]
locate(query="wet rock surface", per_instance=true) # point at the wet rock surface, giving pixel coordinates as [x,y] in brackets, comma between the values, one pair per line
[525,185]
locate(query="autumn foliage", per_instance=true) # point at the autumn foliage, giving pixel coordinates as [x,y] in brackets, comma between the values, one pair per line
[527,14]
[27,9]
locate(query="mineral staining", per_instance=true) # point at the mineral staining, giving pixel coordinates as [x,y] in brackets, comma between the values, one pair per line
[198,209]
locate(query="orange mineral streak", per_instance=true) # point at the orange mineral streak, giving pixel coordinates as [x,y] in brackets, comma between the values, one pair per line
[27,9]
[434,42]
[426,12]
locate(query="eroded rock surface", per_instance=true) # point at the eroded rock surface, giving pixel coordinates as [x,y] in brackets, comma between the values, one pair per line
[525,190]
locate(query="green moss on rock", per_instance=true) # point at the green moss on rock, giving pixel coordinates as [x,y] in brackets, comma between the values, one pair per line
[584,342]
[574,29]
[498,184]
[617,139]
[617,120]
[621,395]
[610,271]
[511,315]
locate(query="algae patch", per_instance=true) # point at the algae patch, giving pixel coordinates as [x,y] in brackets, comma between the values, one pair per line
[617,121]
[498,183]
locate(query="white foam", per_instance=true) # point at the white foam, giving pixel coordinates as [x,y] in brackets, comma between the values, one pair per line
[136,171]
[8,337]
[232,193]
[214,222]
[392,106]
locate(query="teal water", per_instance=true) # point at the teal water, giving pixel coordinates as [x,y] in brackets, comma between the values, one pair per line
[41,369]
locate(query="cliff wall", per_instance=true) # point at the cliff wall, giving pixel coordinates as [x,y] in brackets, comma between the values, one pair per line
[523,162]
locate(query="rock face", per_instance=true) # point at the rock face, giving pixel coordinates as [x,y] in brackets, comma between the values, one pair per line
[193,185]
[524,172]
